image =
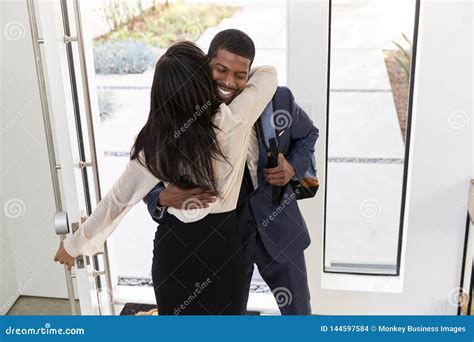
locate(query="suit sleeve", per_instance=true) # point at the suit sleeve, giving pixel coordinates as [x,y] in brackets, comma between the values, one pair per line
[303,139]
[152,198]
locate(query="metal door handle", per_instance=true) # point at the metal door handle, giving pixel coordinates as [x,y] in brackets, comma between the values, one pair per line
[62,227]
[61,223]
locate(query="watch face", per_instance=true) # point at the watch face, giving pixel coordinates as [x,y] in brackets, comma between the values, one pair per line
[159,212]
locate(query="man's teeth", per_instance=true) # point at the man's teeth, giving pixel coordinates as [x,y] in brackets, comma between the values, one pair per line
[224,92]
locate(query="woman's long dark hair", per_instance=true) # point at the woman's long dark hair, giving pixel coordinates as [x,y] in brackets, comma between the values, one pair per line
[178,141]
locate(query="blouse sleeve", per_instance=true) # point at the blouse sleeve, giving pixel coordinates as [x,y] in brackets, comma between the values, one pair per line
[130,188]
[250,103]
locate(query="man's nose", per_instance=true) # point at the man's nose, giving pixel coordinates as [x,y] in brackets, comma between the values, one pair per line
[228,82]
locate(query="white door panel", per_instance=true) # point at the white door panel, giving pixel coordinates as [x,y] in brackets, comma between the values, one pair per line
[71,113]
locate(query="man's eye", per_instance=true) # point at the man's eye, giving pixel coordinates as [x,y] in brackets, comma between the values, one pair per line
[240,77]
[220,70]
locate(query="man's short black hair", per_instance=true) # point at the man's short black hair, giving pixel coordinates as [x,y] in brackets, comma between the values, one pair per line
[234,41]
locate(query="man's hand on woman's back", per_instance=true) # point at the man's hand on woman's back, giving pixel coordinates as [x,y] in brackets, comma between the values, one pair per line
[176,197]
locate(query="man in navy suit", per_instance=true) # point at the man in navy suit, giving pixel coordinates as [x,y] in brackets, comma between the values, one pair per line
[274,234]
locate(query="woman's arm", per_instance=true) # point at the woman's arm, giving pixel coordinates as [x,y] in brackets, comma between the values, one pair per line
[250,103]
[134,183]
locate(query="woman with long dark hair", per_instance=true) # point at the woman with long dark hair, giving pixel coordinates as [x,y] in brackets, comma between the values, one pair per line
[190,140]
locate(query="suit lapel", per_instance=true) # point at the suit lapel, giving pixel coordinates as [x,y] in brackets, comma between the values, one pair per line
[262,147]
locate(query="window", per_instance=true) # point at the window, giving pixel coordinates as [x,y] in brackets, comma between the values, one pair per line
[372,44]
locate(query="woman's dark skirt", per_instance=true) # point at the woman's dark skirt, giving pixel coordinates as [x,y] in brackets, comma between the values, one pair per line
[198,267]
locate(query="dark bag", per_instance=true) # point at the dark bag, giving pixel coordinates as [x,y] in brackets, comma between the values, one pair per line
[309,185]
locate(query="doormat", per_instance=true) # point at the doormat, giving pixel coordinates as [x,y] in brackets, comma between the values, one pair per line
[137,309]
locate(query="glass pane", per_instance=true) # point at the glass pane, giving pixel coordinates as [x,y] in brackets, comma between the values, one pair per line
[370,59]
[129,38]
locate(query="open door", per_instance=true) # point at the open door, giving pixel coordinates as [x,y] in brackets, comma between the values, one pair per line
[61,55]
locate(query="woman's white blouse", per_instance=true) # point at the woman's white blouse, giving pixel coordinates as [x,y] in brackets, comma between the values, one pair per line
[234,121]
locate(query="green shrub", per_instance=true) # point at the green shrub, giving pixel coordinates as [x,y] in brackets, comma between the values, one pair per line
[163,25]
[405,59]
[123,57]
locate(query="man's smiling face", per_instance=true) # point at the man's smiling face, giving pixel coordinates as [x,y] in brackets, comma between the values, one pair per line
[230,72]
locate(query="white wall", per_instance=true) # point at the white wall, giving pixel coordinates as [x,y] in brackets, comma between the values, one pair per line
[440,164]
[28,240]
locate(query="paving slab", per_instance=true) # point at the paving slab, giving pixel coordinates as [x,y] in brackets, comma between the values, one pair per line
[358,70]
[364,125]
[363,212]
[265,23]
[360,24]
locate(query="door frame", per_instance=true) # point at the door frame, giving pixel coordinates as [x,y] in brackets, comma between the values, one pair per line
[424,284]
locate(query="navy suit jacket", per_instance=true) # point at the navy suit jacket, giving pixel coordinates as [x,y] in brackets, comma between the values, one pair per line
[282,227]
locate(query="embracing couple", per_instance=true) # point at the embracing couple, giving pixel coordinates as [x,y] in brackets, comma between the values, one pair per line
[205,164]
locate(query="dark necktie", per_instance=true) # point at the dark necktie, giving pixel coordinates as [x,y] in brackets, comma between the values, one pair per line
[248,177]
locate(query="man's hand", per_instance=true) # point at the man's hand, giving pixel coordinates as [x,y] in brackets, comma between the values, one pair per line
[63,257]
[175,197]
[281,174]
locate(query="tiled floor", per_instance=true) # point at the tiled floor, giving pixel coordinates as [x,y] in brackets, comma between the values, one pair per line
[43,306]
[27,305]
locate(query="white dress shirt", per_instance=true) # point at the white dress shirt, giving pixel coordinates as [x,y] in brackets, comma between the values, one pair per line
[252,157]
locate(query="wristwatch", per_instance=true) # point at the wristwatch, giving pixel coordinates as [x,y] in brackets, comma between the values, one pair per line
[160,212]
